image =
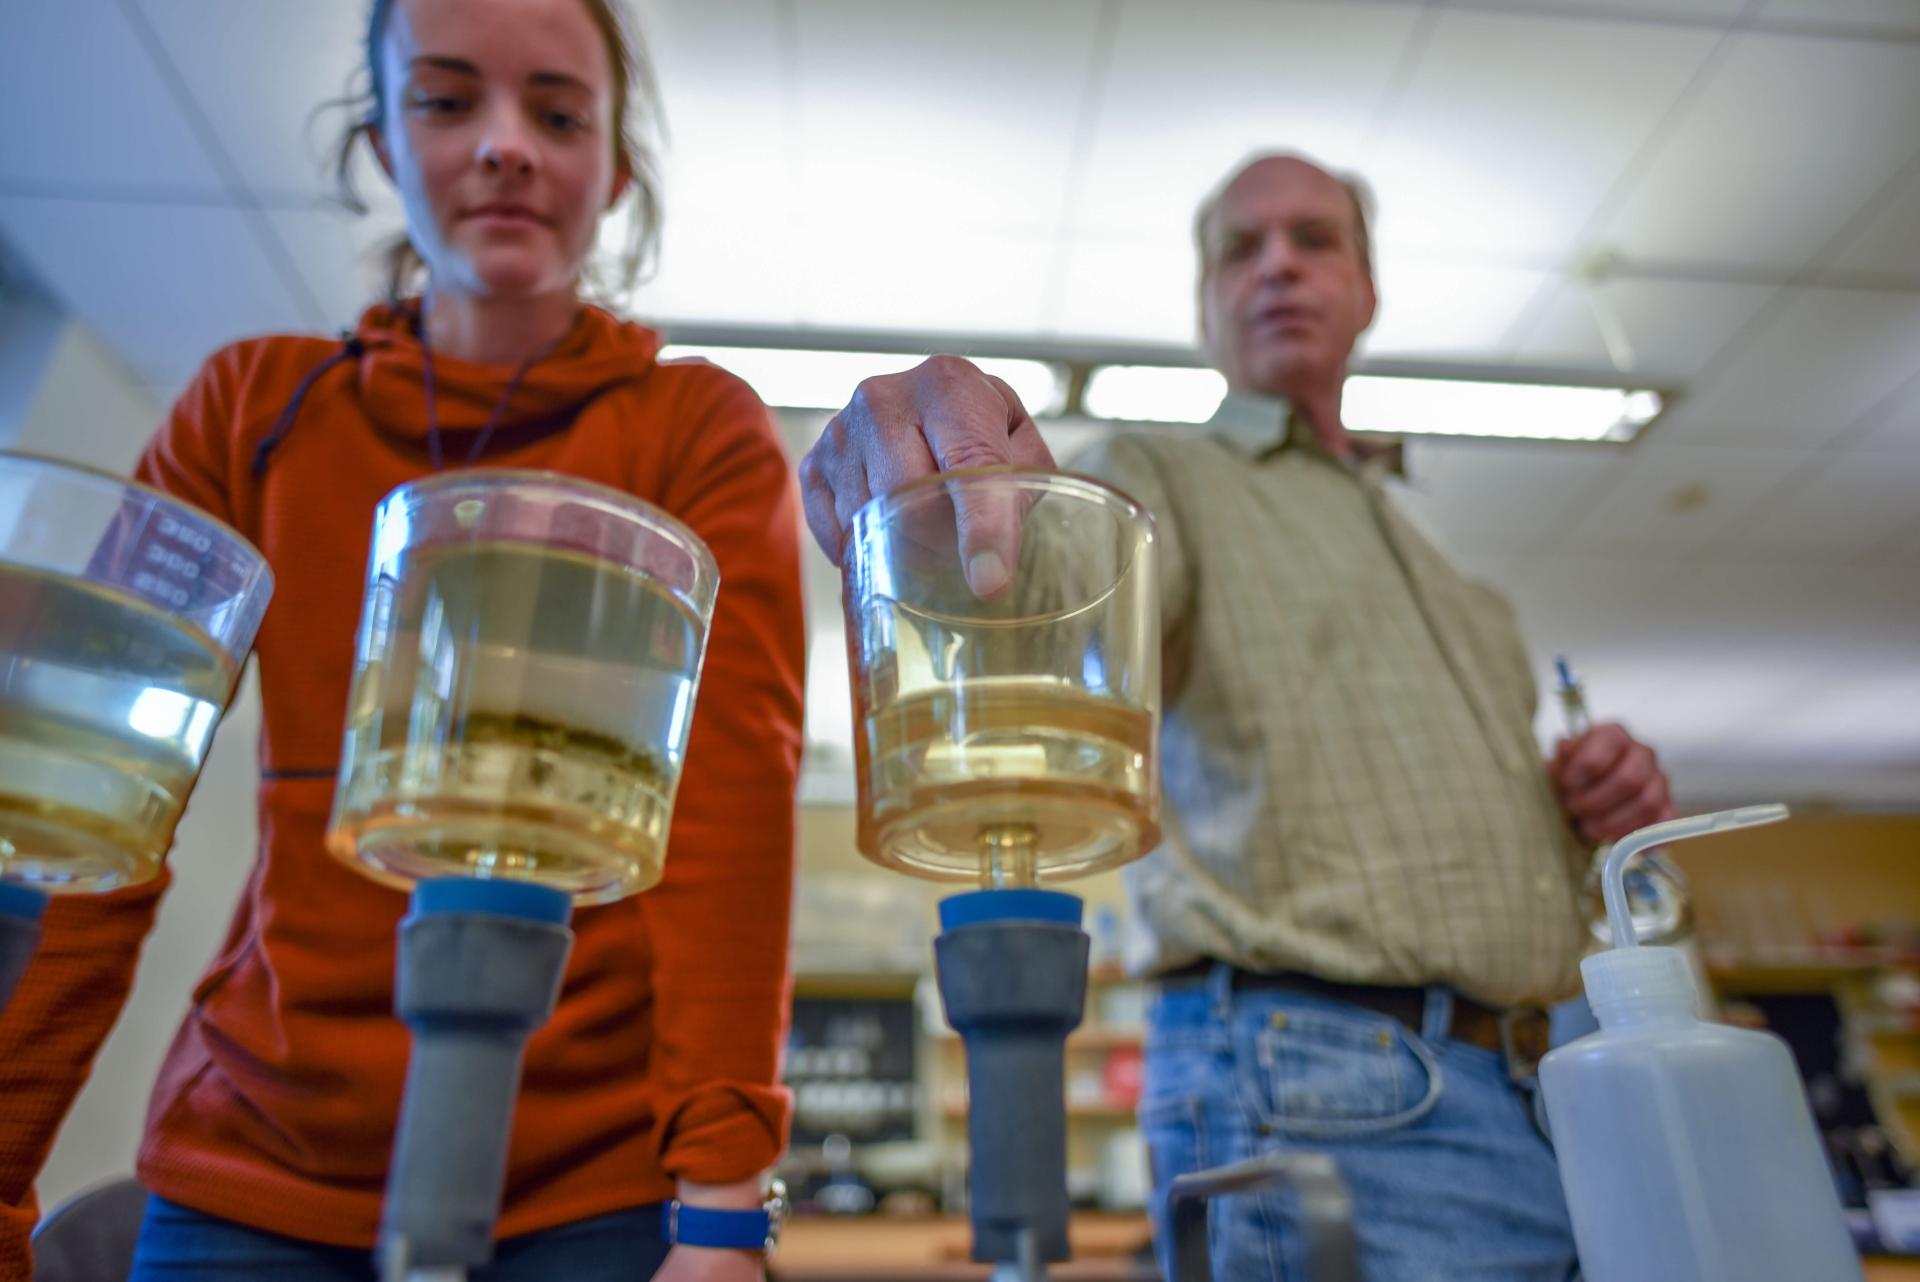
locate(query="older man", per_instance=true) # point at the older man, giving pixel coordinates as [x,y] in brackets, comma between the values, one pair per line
[1370,881]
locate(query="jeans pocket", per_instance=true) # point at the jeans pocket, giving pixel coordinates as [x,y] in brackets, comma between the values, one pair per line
[1312,1072]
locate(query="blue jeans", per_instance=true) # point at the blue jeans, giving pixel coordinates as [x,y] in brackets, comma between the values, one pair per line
[182,1245]
[1451,1179]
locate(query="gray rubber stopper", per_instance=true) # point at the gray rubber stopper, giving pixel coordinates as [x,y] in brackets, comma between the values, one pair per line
[1013,990]
[472,986]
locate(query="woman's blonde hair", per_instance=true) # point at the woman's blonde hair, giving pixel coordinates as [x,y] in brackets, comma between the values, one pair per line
[636,97]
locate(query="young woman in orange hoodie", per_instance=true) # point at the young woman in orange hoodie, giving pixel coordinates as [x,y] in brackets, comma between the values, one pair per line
[503,125]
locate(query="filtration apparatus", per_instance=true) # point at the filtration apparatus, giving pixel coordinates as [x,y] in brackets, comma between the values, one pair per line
[125,618]
[528,657]
[1003,633]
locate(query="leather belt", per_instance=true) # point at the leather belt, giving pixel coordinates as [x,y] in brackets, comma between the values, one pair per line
[1519,1034]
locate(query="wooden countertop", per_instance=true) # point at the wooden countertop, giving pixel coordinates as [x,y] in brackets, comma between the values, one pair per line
[883,1249]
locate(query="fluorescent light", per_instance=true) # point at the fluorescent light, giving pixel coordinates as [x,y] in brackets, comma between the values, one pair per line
[795,378]
[1399,405]
[1038,384]
[1154,393]
[1458,407]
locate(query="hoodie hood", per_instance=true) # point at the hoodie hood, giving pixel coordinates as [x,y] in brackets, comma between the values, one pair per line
[600,352]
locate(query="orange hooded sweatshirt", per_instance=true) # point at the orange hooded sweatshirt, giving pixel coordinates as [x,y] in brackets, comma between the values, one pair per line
[276,1104]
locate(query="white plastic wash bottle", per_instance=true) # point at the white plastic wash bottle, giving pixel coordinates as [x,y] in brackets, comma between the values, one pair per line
[1687,1149]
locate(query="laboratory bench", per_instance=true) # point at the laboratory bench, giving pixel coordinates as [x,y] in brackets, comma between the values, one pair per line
[1107,1248]
[879,1248]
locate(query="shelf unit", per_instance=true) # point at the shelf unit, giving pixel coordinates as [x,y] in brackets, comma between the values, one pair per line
[940,1107]
[1883,1045]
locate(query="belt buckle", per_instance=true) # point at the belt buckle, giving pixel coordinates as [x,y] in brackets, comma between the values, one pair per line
[1525,1038]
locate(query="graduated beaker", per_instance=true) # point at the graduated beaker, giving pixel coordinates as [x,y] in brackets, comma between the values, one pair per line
[529,652]
[125,617]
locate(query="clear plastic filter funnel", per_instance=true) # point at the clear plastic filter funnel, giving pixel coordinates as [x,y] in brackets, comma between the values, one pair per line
[125,617]
[529,653]
[1006,736]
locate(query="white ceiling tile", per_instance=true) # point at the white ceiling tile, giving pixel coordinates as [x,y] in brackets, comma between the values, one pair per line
[729,157]
[1446,309]
[1702,660]
[708,51]
[1847,715]
[164,285]
[1837,509]
[1774,98]
[1117,287]
[727,259]
[729,246]
[89,108]
[338,253]
[1869,616]
[1890,241]
[1840,646]
[1682,700]
[1499,497]
[1700,786]
[261,74]
[1561,105]
[1693,661]
[1898,430]
[1194,89]
[1593,608]
[1673,327]
[1827,358]
[1900,550]
[871,270]
[1643,507]
[1868,17]
[713,269]
[1654,9]
[939,109]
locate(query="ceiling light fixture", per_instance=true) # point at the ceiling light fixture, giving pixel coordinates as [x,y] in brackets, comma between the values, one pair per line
[799,378]
[1061,380]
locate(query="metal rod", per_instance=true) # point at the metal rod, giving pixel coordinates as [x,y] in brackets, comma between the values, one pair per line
[1026,1266]
[1326,1212]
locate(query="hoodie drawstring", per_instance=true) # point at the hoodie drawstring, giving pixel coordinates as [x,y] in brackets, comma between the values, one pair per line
[499,406]
[351,349]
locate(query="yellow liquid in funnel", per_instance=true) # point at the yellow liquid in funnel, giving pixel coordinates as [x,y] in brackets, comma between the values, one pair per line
[107,707]
[524,717]
[1048,774]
